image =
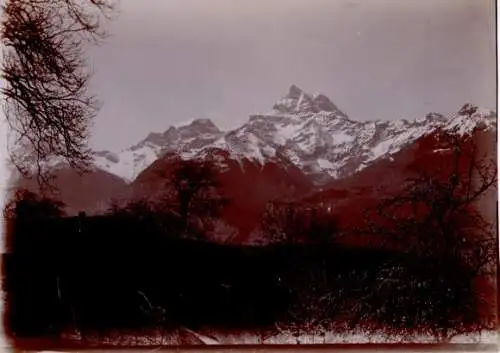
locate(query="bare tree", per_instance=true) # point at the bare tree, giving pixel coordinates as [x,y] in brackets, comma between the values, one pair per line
[46,102]
[192,193]
[437,212]
[274,221]
[312,226]
[436,218]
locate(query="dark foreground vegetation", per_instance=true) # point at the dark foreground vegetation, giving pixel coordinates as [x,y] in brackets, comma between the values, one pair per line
[145,266]
[107,273]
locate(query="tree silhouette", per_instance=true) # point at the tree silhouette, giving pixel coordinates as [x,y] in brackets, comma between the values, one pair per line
[436,214]
[26,210]
[26,205]
[276,223]
[46,102]
[436,217]
[192,193]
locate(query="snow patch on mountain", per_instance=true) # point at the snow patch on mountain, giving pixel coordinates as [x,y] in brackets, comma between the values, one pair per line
[470,117]
[306,130]
[129,162]
[299,102]
[186,138]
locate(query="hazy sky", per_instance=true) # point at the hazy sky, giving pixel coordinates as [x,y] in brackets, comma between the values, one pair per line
[172,60]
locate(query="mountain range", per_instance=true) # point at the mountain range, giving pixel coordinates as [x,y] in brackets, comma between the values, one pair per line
[305,147]
[307,130]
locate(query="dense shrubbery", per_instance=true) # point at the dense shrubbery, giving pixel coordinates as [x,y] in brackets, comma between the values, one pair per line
[118,272]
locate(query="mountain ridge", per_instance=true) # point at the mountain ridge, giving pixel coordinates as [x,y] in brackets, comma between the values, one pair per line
[308,130]
[290,154]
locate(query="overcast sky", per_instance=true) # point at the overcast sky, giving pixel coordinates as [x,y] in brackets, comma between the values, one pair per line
[169,61]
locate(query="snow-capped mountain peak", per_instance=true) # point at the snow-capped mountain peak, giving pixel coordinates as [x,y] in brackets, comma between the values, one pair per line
[192,129]
[306,130]
[299,102]
[470,117]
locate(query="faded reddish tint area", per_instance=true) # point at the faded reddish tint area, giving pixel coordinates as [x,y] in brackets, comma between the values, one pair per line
[224,251]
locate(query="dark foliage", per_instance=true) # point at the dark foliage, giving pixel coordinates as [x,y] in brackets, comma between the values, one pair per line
[24,212]
[108,273]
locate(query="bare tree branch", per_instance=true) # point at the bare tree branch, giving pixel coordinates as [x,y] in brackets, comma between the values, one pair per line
[47,105]
[437,214]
